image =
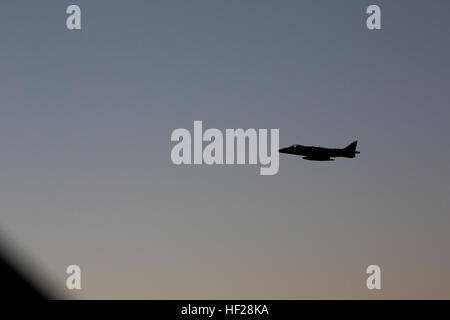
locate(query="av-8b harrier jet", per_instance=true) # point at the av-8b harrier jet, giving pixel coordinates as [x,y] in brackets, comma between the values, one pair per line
[321,154]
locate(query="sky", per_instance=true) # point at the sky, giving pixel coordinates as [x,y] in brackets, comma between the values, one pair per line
[86,176]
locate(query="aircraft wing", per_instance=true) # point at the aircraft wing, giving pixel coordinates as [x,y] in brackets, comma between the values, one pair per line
[319,158]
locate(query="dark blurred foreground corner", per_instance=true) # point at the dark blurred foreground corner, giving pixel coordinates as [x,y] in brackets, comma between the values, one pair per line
[15,284]
[21,280]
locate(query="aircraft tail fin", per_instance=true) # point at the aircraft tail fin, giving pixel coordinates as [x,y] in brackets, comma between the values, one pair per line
[352,147]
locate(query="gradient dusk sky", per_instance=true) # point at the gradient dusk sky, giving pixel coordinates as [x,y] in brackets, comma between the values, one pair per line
[85,124]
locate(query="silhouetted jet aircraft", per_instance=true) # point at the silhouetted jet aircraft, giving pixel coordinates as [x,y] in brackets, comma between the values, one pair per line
[321,154]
